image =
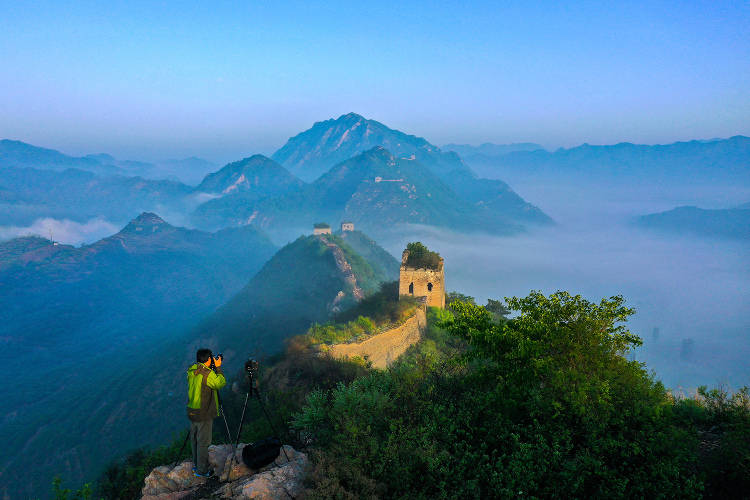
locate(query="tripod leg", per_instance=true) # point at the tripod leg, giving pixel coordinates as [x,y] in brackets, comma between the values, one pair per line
[273,428]
[182,448]
[237,440]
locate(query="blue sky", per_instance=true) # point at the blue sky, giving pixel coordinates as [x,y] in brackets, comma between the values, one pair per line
[221,80]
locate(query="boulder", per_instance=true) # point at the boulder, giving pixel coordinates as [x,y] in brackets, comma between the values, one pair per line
[168,483]
[280,479]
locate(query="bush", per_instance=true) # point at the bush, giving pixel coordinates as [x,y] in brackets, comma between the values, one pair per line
[421,257]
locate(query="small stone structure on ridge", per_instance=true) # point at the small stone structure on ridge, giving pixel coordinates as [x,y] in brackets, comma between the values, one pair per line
[321,228]
[347,226]
[423,280]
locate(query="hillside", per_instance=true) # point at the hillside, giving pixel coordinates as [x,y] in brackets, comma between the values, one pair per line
[372,253]
[142,401]
[733,223]
[73,318]
[313,152]
[302,283]
[240,184]
[29,193]
[257,175]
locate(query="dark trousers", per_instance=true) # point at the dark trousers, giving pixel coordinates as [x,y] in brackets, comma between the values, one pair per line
[200,439]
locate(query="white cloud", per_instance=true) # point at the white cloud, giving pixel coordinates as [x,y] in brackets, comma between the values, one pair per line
[62,230]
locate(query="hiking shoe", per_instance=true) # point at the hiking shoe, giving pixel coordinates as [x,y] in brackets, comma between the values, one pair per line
[207,475]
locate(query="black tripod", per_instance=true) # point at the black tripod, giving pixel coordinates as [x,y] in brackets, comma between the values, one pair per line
[251,367]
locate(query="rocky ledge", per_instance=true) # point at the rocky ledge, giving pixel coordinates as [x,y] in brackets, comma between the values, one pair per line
[282,478]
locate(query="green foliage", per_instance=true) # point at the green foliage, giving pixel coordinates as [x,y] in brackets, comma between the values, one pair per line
[457,296]
[378,312]
[541,405]
[722,422]
[332,333]
[421,257]
[60,493]
[123,480]
[497,308]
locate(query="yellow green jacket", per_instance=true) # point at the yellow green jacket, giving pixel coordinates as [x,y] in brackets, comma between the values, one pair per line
[203,398]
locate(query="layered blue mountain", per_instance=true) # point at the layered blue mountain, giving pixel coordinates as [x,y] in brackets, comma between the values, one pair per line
[373,175]
[490,150]
[313,152]
[29,193]
[19,154]
[717,162]
[76,318]
[378,190]
[22,155]
[732,223]
[240,185]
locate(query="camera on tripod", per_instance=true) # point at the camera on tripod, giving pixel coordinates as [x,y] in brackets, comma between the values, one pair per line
[251,367]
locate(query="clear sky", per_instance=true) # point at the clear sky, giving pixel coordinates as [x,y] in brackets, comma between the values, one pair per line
[221,80]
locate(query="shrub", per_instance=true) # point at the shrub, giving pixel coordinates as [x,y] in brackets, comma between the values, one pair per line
[421,257]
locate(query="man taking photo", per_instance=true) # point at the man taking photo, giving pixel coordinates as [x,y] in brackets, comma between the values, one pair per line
[204,380]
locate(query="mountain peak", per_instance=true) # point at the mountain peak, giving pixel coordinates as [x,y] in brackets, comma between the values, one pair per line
[147,222]
[351,117]
[327,143]
[257,173]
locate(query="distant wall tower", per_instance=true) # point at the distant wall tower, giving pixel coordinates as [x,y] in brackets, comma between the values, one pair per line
[422,282]
[347,226]
[321,228]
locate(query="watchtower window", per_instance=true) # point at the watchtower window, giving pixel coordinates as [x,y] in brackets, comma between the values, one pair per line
[411,288]
[429,287]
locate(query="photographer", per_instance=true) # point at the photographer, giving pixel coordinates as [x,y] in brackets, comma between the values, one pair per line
[204,380]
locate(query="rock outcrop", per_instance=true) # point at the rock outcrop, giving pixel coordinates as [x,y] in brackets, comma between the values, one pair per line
[233,480]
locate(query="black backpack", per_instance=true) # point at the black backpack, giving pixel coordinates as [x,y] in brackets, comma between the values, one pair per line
[261,453]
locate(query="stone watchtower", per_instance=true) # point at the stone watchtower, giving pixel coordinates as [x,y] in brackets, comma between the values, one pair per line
[426,280]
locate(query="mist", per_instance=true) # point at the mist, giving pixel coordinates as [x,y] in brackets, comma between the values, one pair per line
[64,231]
[691,295]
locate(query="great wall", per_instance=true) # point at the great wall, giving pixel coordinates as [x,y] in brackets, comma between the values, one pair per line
[384,348]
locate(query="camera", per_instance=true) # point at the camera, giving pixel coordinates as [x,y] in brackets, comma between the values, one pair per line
[219,356]
[251,367]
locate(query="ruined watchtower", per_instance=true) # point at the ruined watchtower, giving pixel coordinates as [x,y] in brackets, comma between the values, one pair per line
[422,275]
[321,228]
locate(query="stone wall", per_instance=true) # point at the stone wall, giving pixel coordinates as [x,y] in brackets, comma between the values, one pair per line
[384,348]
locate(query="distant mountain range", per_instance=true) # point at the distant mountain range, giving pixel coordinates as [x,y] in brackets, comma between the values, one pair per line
[360,170]
[373,175]
[19,154]
[732,223]
[489,150]
[719,161]
[73,319]
[29,193]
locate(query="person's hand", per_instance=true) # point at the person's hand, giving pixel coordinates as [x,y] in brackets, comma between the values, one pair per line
[217,361]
